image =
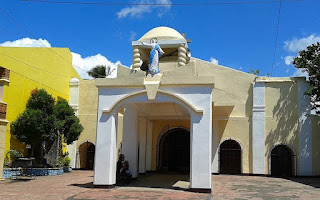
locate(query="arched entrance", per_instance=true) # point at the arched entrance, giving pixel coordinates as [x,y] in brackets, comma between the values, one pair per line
[175,151]
[281,161]
[86,152]
[230,157]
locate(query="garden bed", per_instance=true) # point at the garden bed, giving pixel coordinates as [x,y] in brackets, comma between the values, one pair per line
[14,172]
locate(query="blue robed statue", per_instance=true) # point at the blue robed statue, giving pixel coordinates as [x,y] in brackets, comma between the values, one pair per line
[155,54]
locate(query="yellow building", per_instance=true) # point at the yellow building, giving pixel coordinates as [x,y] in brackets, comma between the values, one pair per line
[30,68]
[195,117]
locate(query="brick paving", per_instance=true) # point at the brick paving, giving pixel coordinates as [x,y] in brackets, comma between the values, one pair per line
[78,185]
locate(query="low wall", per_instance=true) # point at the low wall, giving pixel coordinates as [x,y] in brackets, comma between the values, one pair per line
[13,172]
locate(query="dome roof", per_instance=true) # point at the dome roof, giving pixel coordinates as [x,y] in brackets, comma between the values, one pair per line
[162,33]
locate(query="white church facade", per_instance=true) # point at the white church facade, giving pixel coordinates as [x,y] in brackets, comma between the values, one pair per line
[193,117]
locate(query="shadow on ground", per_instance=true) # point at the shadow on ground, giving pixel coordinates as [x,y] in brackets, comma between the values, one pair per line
[164,181]
[310,181]
[152,180]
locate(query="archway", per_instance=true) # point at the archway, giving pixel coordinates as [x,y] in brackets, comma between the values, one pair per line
[281,161]
[230,157]
[175,151]
[86,152]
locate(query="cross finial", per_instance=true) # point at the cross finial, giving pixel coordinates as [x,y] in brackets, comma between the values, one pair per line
[184,35]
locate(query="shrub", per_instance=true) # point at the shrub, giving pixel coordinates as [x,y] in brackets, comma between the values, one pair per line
[11,156]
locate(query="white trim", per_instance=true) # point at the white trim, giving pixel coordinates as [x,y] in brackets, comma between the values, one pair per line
[305,131]
[294,158]
[258,128]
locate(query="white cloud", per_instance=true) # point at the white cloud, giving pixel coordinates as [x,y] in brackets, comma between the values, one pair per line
[26,42]
[85,64]
[133,36]
[295,45]
[288,60]
[299,73]
[214,61]
[139,10]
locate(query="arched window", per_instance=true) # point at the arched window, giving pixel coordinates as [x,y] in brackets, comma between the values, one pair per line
[282,161]
[230,157]
[86,152]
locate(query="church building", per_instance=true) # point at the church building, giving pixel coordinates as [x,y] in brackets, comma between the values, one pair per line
[193,117]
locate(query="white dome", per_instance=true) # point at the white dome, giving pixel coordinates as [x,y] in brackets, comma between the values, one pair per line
[162,33]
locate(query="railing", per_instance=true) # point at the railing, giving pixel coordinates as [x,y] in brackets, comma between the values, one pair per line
[4,73]
[3,110]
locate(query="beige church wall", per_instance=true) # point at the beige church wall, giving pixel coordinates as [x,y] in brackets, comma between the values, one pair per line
[315,145]
[158,126]
[232,88]
[87,113]
[281,121]
[237,129]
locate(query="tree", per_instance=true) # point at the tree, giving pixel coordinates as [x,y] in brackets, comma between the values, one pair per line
[68,124]
[98,72]
[309,61]
[45,120]
[256,72]
[37,123]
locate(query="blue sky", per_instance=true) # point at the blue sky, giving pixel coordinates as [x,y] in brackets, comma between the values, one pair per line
[239,36]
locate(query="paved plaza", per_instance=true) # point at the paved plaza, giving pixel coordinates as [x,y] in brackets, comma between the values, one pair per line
[78,185]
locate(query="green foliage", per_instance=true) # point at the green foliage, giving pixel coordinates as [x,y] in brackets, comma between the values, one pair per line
[41,100]
[98,72]
[10,156]
[66,161]
[256,72]
[43,120]
[309,61]
[67,123]
[36,123]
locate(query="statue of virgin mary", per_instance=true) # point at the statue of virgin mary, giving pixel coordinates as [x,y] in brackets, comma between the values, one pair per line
[155,54]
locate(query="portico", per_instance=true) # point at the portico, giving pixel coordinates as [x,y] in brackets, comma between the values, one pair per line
[140,104]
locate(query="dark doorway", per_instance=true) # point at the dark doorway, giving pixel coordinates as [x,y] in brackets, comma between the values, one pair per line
[230,157]
[175,151]
[281,161]
[87,151]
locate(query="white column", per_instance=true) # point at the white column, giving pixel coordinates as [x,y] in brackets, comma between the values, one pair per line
[305,127]
[142,145]
[258,128]
[149,146]
[130,138]
[201,150]
[215,147]
[106,150]
[74,103]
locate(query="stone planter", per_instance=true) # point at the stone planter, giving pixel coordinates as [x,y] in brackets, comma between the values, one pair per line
[67,169]
[13,172]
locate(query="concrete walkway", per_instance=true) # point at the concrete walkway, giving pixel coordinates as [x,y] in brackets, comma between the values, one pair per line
[78,185]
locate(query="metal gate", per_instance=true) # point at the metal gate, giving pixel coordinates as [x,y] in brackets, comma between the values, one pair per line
[230,157]
[175,151]
[281,161]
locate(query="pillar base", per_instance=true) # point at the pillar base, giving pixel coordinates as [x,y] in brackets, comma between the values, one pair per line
[104,186]
[200,190]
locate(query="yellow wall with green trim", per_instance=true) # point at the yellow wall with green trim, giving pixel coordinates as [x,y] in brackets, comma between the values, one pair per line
[49,71]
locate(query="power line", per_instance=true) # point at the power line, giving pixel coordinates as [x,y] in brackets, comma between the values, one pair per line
[32,65]
[24,28]
[157,4]
[277,34]
[38,82]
